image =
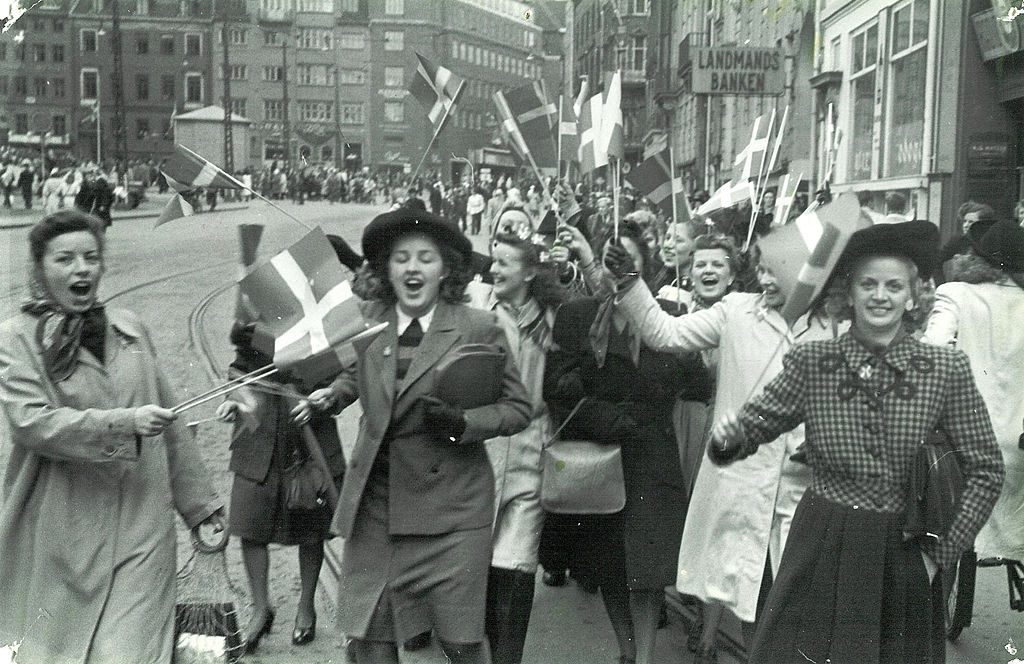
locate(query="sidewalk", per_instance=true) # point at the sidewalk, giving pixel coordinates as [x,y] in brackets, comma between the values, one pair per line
[18,217]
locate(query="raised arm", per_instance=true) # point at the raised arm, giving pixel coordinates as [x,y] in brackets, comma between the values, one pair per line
[701,330]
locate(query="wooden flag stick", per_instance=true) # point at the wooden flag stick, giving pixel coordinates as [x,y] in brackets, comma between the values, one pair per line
[759,186]
[437,130]
[615,196]
[675,220]
[221,391]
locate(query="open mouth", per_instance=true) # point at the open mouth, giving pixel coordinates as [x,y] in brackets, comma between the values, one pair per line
[80,288]
[413,284]
[709,280]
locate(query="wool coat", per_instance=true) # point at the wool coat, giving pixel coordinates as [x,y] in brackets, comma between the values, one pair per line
[87,539]
[984,321]
[740,513]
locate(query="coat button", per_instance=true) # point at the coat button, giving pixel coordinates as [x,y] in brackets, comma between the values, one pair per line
[353,464]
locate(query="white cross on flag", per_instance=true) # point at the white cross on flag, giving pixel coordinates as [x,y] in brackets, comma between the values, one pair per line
[750,160]
[307,314]
[654,178]
[436,88]
[592,155]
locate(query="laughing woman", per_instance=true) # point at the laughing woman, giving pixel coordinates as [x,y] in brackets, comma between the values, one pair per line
[852,585]
[418,500]
[98,467]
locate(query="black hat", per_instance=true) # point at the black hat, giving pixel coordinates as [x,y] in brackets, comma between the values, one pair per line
[1002,245]
[346,255]
[916,240]
[381,233]
[962,243]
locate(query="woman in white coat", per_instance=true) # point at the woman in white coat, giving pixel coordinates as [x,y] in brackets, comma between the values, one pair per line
[980,312]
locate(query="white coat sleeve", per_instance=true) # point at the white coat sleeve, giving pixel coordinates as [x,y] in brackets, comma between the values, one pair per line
[944,320]
[701,330]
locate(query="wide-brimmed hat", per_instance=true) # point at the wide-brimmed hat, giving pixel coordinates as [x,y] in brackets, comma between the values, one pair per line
[381,233]
[916,240]
[1001,245]
[961,244]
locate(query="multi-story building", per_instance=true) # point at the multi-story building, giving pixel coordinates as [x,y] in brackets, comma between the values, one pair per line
[707,130]
[36,89]
[299,69]
[610,35]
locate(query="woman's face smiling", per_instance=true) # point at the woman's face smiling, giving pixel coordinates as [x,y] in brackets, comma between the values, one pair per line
[711,273]
[511,275]
[677,247]
[71,269]
[880,291]
[415,270]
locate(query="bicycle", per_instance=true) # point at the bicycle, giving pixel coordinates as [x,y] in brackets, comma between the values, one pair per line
[960,589]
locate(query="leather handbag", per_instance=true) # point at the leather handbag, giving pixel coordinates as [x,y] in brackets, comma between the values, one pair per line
[936,484]
[305,486]
[581,476]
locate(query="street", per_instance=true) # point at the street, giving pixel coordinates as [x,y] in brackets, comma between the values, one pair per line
[568,625]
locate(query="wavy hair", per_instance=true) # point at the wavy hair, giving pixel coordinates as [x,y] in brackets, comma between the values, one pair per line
[545,287]
[835,302]
[374,284]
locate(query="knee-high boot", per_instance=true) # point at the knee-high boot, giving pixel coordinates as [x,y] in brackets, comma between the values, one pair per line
[509,603]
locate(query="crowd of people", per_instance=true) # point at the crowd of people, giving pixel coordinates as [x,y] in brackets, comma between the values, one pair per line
[767,462]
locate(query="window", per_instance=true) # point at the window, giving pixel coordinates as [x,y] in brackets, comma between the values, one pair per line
[142,87]
[38,25]
[58,25]
[166,44]
[59,125]
[455,50]
[462,51]
[3,85]
[326,153]
[193,88]
[39,86]
[348,6]
[315,75]
[57,53]
[864,45]
[273,109]
[394,77]
[142,128]
[38,52]
[19,52]
[238,107]
[236,36]
[141,7]
[20,86]
[167,87]
[394,40]
[90,83]
[87,41]
[272,73]
[394,7]
[634,6]
[908,60]
[237,72]
[314,39]
[350,114]
[394,111]
[3,52]
[270,38]
[639,54]
[351,76]
[57,84]
[193,44]
[351,41]
[316,111]
[21,123]
[314,6]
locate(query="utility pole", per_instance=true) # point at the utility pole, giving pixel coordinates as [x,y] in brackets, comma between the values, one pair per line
[337,120]
[120,128]
[284,83]
[229,138]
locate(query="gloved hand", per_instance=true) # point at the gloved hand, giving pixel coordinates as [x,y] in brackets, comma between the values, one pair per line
[624,430]
[620,263]
[444,419]
[570,387]
[726,440]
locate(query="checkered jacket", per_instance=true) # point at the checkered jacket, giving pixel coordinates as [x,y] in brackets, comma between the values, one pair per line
[865,415]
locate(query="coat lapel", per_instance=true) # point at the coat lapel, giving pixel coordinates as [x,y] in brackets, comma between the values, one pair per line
[381,353]
[440,337]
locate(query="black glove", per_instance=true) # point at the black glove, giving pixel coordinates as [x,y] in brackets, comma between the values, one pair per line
[241,333]
[570,387]
[722,453]
[619,262]
[624,430]
[824,194]
[444,419]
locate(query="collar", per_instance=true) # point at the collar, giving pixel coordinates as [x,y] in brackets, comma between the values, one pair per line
[897,354]
[404,319]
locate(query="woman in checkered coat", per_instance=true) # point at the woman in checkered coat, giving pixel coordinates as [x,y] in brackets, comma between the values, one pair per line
[852,586]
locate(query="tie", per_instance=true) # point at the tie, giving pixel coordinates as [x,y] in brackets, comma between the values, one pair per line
[408,342]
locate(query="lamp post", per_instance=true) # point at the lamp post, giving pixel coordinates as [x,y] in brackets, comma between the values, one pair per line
[338,161]
[287,126]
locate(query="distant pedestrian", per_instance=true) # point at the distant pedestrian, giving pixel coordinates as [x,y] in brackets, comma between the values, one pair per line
[25,181]
[475,206]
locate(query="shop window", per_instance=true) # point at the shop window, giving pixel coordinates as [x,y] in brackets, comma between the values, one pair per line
[59,125]
[908,62]
[193,88]
[394,77]
[394,111]
[864,45]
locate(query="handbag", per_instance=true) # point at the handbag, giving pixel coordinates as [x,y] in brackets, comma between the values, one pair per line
[305,486]
[936,484]
[581,476]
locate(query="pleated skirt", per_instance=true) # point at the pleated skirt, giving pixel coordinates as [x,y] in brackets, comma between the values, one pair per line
[850,589]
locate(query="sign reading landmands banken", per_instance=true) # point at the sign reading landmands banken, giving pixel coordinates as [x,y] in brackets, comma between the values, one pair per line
[725,70]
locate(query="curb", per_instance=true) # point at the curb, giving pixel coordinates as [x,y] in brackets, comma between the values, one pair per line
[121,217]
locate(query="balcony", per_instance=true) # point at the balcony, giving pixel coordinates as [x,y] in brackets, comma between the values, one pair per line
[275,15]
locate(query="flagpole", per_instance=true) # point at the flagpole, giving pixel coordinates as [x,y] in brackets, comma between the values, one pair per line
[615,196]
[238,183]
[437,130]
[99,125]
[675,220]
[561,100]
[760,185]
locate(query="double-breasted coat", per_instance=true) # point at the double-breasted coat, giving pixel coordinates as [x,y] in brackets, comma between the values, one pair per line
[742,512]
[87,540]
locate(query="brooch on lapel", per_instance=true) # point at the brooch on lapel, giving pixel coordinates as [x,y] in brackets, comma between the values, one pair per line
[387,351]
[865,371]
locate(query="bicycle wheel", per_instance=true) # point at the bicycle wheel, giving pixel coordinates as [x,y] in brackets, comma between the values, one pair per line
[960,595]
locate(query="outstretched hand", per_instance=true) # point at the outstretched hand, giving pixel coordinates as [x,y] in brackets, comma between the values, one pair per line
[726,440]
[619,262]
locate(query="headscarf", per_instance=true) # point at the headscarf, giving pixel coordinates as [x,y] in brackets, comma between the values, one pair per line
[60,334]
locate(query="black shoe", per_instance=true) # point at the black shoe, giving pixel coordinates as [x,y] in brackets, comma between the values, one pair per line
[418,642]
[303,635]
[253,642]
[554,579]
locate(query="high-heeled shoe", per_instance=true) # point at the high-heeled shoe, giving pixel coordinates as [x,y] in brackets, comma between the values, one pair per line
[303,635]
[253,642]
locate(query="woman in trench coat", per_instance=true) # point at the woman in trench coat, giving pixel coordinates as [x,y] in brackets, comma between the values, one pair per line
[97,468]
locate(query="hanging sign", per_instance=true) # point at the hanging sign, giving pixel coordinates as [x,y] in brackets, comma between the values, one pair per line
[725,70]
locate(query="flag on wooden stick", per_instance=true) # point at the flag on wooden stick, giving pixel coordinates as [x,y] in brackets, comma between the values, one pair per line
[436,88]
[189,170]
[569,140]
[176,208]
[750,160]
[307,314]
[729,194]
[591,154]
[535,118]
[611,119]
[654,178]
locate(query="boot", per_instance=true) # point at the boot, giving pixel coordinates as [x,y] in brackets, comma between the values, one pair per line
[509,604]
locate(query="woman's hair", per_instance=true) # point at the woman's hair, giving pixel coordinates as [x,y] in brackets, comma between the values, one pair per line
[630,229]
[60,223]
[836,299]
[718,241]
[377,286]
[973,269]
[545,287]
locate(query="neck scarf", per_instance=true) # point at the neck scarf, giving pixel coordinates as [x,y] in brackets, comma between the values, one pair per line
[600,331]
[530,320]
[60,333]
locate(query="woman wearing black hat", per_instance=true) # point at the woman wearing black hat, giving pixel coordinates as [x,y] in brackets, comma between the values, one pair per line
[980,312]
[418,499]
[852,585]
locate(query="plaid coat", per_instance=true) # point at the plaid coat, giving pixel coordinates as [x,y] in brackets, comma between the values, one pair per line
[864,416]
